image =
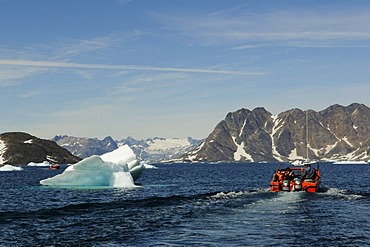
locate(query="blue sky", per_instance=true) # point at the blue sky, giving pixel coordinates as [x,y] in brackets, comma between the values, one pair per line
[172,68]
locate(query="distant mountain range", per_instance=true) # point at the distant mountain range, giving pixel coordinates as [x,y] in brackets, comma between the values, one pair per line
[151,150]
[336,133]
[85,147]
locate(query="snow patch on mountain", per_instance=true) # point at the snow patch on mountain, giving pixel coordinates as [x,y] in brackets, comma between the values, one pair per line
[192,155]
[240,152]
[294,156]
[328,148]
[165,144]
[28,141]
[275,129]
[242,128]
[2,151]
[346,140]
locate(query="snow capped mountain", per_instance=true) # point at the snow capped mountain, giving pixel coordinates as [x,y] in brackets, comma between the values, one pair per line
[336,133]
[85,147]
[151,150]
[161,149]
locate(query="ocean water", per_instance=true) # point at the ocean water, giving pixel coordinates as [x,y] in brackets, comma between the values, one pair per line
[226,204]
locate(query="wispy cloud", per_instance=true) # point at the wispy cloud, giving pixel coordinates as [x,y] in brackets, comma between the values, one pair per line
[10,74]
[291,26]
[66,50]
[174,87]
[152,86]
[51,64]
[32,59]
[30,94]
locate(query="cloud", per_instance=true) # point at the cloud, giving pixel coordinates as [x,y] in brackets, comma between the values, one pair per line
[288,26]
[152,86]
[31,58]
[10,74]
[30,94]
[162,88]
[85,74]
[76,48]
[53,64]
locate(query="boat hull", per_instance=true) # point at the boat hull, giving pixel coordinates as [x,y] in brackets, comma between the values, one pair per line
[311,187]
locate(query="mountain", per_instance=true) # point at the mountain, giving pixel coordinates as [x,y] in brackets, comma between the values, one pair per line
[151,150]
[161,149]
[85,147]
[22,148]
[335,133]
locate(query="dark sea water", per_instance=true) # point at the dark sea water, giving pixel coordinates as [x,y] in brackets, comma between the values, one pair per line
[187,205]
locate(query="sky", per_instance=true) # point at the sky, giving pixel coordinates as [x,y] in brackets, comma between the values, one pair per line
[173,68]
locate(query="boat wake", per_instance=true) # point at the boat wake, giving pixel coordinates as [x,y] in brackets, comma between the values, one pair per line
[344,194]
[277,202]
[263,201]
[229,195]
[261,197]
[236,194]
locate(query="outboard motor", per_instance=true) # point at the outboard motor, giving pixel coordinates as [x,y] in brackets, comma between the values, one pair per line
[286,185]
[297,184]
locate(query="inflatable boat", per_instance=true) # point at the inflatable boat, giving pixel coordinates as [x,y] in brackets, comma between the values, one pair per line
[289,178]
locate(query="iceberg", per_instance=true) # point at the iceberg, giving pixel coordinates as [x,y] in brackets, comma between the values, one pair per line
[7,168]
[45,163]
[125,155]
[115,169]
[147,166]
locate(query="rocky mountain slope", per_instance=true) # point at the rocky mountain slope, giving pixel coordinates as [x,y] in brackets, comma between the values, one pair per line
[85,147]
[152,150]
[336,133]
[22,148]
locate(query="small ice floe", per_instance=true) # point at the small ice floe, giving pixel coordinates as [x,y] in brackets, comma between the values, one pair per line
[7,168]
[45,163]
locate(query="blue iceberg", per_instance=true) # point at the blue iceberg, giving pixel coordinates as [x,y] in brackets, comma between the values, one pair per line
[119,168]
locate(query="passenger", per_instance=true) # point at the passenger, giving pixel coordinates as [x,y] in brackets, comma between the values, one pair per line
[308,172]
[279,176]
[289,174]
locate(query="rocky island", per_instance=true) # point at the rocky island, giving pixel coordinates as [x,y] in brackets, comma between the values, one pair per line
[22,148]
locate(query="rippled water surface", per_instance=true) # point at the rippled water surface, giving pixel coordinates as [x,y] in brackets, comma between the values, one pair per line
[187,204]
